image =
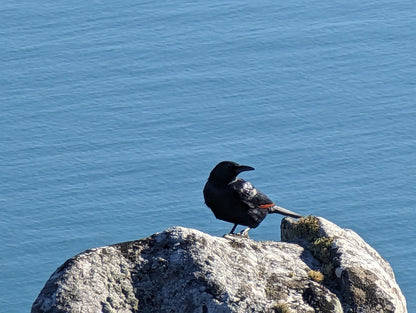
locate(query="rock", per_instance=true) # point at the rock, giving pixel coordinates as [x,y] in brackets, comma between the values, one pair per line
[362,279]
[320,268]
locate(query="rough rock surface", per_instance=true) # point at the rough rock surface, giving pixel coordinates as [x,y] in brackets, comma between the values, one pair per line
[320,268]
[362,279]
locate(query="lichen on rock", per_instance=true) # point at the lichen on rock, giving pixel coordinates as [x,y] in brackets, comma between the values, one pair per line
[362,279]
[319,267]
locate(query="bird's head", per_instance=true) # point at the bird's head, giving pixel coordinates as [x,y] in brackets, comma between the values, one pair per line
[226,171]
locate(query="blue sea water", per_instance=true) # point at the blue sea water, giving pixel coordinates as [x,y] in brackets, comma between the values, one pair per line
[114,113]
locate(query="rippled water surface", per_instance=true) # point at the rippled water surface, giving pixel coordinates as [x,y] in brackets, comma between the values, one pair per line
[113,114]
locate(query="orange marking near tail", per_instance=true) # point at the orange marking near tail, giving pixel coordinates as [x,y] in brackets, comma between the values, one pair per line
[266,206]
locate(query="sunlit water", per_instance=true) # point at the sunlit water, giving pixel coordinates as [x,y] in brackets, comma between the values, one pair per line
[113,115]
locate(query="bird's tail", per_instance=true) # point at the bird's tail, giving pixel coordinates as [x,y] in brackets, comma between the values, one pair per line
[280,210]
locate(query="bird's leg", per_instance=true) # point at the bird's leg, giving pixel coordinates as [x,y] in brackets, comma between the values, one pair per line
[244,233]
[232,230]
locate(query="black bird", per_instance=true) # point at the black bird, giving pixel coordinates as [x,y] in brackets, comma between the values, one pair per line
[235,200]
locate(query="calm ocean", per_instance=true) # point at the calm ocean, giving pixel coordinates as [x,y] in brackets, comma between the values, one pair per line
[113,113]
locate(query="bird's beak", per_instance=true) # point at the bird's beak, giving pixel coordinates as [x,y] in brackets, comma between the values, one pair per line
[243,168]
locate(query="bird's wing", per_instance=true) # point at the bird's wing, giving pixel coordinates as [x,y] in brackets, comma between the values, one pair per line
[254,198]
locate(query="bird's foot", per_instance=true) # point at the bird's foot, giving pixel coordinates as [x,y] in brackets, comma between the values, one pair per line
[241,234]
[244,233]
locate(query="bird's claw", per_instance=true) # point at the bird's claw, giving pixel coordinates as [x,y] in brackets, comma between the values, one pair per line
[244,233]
